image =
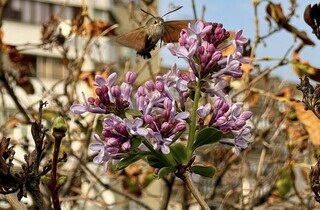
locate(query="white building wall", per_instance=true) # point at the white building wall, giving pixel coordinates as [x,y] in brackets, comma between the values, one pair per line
[17,33]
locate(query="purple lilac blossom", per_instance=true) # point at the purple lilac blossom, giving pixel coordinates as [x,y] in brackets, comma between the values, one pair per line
[203,111]
[101,148]
[110,98]
[210,65]
[159,101]
[159,121]
[205,51]
[230,119]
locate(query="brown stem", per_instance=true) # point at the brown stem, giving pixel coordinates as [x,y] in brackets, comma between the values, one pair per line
[33,188]
[54,188]
[194,10]
[185,204]
[257,31]
[11,93]
[33,185]
[187,180]
[231,158]
[266,72]
[293,177]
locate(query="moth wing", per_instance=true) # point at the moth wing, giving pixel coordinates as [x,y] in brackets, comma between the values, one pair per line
[135,39]
[173,28]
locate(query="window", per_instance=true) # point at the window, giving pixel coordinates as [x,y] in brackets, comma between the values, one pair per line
[38,66]
[36,12]
[42,12]
[13,10]
[50,68]
[27,14]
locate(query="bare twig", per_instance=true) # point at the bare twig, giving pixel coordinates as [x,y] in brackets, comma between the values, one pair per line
[263,74]
[109,187]
[169,181]
[187,180]
[33,184]
[194,10]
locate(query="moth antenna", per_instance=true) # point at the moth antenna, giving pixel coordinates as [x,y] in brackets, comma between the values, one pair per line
[172,11]
[147,13]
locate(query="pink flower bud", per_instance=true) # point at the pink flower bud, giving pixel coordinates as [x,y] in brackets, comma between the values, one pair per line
[150,85]
[159,86]
[131,77]
[148,119]
[112,142]
[116,91]
[126,146]
[165,127]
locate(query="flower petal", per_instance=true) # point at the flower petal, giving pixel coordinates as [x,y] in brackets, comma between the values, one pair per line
[78,108]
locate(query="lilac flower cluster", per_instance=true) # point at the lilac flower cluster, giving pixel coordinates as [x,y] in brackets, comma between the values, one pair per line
[157,104]
[205,50]
[117,135]
[158,124]
[230,119]
[111,98]
[204,53]
[160,106]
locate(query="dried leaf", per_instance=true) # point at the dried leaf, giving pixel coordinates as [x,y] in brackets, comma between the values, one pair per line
[312,17]
[276,13]
[25,83]
[89,77]
[253,99]
[309,120]
[148,2]
[99,27]
[82,25]
[49,31]
[4,143]
[13,122]
[303,68]
[285,92]
[246,68]
[14,55]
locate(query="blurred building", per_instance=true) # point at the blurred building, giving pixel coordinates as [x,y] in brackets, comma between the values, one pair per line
[22,24]
[23,20]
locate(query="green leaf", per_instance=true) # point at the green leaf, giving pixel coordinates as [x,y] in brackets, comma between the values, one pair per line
[165,171]
[99,126]
[229,136]
[180,153]
[135,143]
[156,162]
[134,157]
[207,136]
[206,171]
[177,136]
[133,112]
[284,183]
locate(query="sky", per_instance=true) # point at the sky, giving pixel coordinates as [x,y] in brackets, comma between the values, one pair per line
[238,14]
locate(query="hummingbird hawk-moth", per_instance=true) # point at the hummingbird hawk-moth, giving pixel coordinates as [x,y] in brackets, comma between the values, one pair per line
[145,38]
